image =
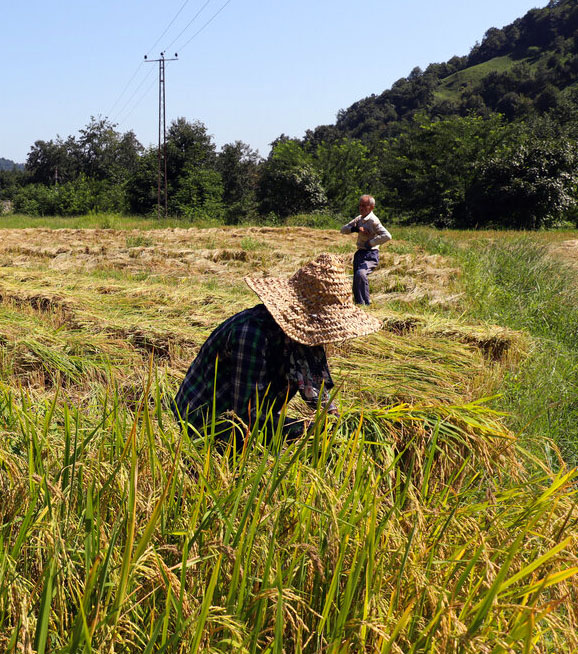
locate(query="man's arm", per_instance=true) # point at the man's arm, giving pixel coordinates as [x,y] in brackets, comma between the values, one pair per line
[351,226]
[311,392]
[313,400]
[251,383]
[378,234]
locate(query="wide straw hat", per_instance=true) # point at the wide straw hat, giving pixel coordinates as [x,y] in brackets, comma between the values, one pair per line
[314,306]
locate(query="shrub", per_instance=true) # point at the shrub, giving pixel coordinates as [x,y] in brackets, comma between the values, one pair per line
[81,196]
[199,193]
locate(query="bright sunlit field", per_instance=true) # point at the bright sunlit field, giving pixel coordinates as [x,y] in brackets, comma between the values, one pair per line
[436,514]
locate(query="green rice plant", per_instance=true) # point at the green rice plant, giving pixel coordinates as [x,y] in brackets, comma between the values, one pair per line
[388,366]
[138,240]
[33,350]
[251,244]
[368,534]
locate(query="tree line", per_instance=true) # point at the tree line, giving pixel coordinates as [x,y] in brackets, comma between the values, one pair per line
[472,171]
[448,146]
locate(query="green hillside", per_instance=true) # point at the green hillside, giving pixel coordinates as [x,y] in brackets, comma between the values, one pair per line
[529,67]
[451,87]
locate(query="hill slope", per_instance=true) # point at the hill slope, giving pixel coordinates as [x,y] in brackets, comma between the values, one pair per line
[525,68]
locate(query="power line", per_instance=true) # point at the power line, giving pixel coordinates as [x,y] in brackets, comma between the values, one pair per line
[141,98]
[127,85]
[167,48]
[170,45]
[136,104]
[144,79]
[124,90]
[185,3]
[205,25]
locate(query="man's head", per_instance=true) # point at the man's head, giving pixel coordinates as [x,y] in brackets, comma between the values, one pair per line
[366,205]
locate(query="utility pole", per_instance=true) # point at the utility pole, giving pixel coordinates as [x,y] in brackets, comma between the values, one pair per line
[162,149]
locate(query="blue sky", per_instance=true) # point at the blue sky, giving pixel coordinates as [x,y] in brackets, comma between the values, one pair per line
[248,69]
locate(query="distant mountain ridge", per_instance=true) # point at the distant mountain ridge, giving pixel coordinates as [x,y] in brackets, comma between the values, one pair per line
[8,164]
[527,67]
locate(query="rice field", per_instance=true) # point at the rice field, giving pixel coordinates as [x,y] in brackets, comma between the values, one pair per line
[416,521]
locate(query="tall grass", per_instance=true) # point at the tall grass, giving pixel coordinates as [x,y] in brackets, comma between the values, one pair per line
[517,282]
[386,531]
[97,221]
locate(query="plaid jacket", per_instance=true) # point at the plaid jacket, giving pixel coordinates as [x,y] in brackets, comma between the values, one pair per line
[245,355]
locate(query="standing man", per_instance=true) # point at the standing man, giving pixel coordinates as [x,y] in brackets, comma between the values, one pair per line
[371,234]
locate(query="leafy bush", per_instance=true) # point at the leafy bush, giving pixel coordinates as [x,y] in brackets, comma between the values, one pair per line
[289,183]
[81,196]
[199,193]
[526,185]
